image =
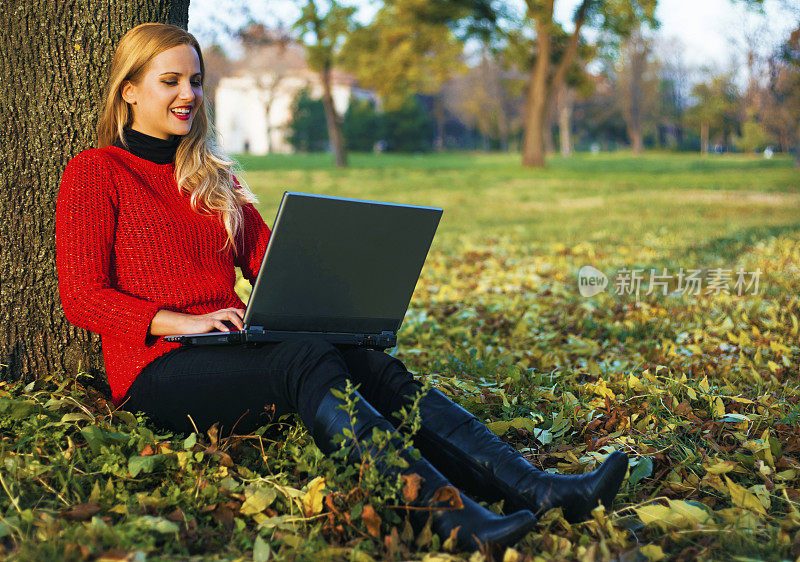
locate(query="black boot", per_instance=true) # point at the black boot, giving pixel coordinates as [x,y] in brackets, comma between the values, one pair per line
[475,521]
[477,460]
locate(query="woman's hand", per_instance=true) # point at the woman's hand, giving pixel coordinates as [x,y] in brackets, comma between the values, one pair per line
[167,322]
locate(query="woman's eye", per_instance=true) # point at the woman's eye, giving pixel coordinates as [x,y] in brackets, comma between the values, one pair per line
[172,83]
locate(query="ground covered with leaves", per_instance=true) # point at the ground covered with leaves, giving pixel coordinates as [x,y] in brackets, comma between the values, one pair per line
[701,390]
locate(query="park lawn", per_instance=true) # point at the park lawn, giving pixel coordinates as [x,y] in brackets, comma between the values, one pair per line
[700,390]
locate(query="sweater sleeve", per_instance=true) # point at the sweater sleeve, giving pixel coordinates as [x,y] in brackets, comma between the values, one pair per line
[86,216]
[255,237]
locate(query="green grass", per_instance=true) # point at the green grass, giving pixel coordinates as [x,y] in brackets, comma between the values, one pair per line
[701,391]
[680,200]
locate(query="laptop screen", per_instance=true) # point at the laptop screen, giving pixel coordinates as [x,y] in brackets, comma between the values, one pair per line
[335,264]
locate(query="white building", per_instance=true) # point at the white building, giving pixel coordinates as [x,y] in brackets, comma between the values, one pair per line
[254,104]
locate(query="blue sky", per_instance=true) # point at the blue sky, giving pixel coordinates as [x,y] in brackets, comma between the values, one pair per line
[708,32]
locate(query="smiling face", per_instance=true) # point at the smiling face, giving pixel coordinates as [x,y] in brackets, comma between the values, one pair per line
[166,99]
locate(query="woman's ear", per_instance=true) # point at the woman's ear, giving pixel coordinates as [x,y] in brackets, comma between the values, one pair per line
[128,92]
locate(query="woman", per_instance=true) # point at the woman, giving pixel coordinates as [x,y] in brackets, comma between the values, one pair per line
[150,225]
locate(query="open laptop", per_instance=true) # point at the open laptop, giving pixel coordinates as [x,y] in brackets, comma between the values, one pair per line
[336,268]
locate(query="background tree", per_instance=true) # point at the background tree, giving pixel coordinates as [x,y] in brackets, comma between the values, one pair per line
[325,33]
[52,71]
[547,77]
[599,116]
[638,87]
[409,128]
[488,98]
[308,125]
[363,125]
[782,97]
[407,49]
[715,113]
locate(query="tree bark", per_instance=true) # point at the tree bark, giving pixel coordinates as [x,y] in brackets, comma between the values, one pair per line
[333,121]
[536,98]
[539,87]
[565,124]
[704,137]
[53,62]
[635,134]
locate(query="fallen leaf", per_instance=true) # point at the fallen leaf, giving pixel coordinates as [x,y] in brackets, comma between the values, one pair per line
[411,483]
[81,512]
[372,520]
[448,494]
[312,500]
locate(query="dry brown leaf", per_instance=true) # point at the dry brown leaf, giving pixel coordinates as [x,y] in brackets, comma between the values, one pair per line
[81,512]
[411,483]
[372,520]
[448,494]
[390,543]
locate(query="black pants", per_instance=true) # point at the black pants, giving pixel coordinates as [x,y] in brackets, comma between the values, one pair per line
[225,383]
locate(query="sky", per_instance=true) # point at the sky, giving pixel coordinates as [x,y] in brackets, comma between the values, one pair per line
[707,32]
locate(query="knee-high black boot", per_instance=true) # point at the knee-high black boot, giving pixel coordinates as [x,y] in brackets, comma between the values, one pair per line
[475,521]
[474,458]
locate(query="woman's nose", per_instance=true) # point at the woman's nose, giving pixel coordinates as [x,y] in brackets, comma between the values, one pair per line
[187,92]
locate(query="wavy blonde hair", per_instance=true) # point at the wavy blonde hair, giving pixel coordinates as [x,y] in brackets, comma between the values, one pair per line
[202,170]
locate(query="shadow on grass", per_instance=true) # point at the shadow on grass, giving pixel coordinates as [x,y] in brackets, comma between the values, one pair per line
[729,249]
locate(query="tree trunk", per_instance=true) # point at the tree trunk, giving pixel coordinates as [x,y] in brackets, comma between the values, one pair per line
[549,136]
[565,125]
[53,62]
[704,137]
[635,134]
[332,120]
[538,91]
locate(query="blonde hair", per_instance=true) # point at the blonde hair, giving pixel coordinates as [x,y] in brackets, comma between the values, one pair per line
[202,170]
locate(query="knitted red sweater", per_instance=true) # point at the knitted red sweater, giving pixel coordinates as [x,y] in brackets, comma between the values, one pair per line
[128,244]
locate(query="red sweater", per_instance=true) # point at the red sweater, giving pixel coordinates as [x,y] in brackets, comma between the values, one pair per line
[128,244]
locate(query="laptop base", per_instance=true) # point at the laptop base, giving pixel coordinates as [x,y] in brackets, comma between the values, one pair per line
[381,341]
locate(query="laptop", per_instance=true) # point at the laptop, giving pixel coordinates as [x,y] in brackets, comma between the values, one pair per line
[340,269]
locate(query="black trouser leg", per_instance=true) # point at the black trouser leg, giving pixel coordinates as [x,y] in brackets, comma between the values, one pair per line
[225,383]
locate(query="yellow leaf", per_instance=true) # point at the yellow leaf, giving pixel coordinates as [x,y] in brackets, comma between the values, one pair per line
[718,409]
[312,500]
[653,552]
[704,384]
[740,518]
[720,467]
[742,498]
[257,499]
[678,514]
[635,383]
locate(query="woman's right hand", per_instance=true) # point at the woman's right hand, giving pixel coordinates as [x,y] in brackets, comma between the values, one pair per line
[168,322]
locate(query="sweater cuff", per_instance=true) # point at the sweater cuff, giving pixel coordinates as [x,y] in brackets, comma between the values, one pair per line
[142,330]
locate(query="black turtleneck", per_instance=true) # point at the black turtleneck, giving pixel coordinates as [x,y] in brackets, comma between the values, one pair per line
[158,151]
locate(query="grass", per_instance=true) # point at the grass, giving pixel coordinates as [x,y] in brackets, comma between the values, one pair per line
[701,391]
[600,198]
